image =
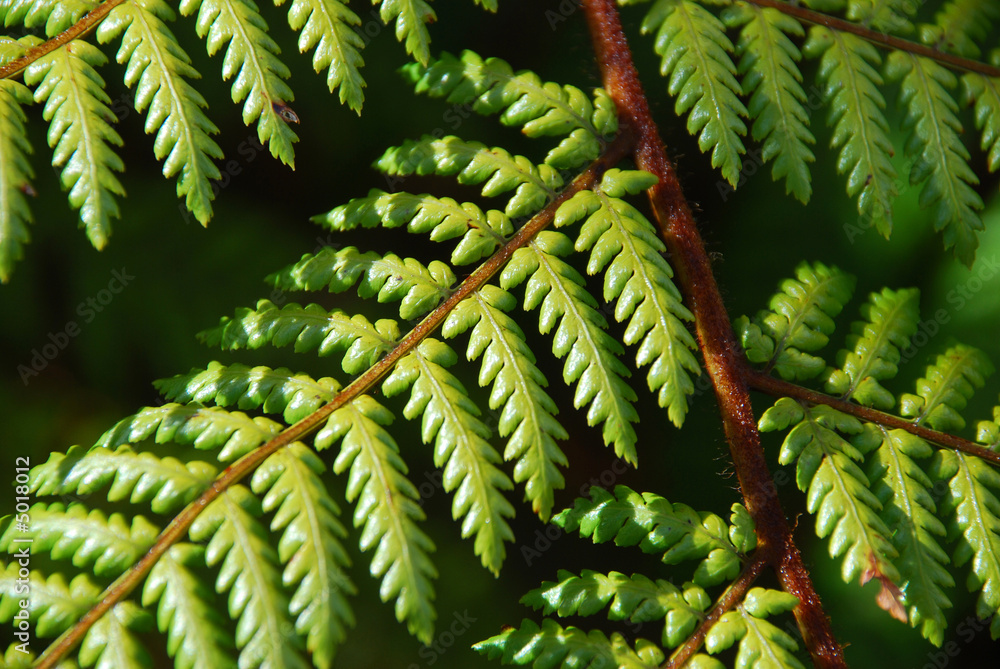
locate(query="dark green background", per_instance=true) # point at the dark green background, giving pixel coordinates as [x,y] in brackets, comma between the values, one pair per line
[187,276]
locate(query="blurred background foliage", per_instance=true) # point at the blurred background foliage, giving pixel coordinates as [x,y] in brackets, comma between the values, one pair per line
[186,277]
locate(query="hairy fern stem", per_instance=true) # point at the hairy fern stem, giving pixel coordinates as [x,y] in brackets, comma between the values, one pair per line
[724,359]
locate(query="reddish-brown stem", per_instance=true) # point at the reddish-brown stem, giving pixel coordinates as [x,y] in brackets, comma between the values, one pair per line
[723,357]
[778,388]
[880,38]
[733,595]
[179,526]
[86,23]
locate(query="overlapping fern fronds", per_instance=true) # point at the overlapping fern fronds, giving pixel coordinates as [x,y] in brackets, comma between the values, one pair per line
[875,487]
[274,547]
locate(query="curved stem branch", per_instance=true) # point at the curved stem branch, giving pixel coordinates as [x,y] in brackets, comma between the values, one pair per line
[724,358]
[87,22]
[880,38]
[243,467]
[778,388]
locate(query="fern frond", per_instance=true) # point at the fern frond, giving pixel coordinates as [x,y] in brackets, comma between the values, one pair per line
[772,79]
[695,50]
[15,174]
[248,568]
[641,280]
[80,133]
[974,511]
[847,70]
[491,86]
[234,433]
[528,413]
[676,531]
[185,610]
[838,492]
[533,185]
[444,218]
[552,646]
[113,642]
[412,17]
[308,328]
[940,157]
[887,16]
[949,384]
[984,93]
[107,545]
[328,26]
[388,507]
[461,449]
[159,69]
[420,288]
[309,547]
[54,15]
[636,599]
[591,354]
[959,25]
[274,391]
[873,348]
[799,321]
[166,483]
[252,57]
[761,643]
[908,507]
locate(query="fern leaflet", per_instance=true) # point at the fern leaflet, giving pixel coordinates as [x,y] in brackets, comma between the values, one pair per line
[15,174]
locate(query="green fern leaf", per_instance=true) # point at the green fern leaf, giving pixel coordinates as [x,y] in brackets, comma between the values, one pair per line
[412,17]
[534,186]
[15,173]
[591,354]
[54,15]
[636,599]
[309,547]
[388,508]
[940,157]
[626,245]
[974,511]
[857,114]
[491,86]
[234,433]
[873,348]
[676,531]
[984,93]
[252,57]
[799,320]
[159,69]
[461,448]
[695,52]
[185,610]
[908,507]
[328,26]
[420,288]
[91,540]
[888,16]
[275,391]
[959,25]
[948,386]
[308,328]
[527,412]
[248,569]
[988,431]
[838,492]
[552,646]
[113,642]
[444,218]
[80,132]
[166,483]
[772,79]
[762,645]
